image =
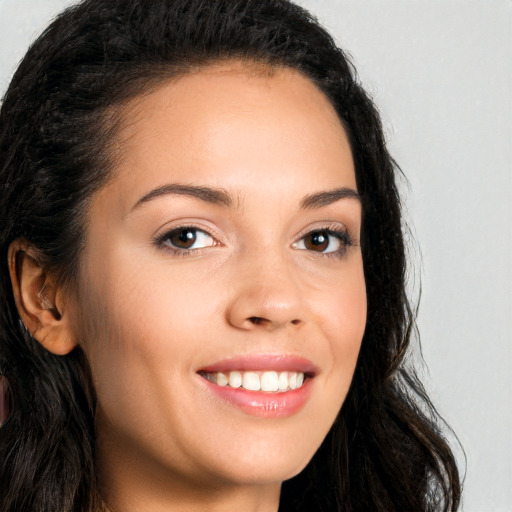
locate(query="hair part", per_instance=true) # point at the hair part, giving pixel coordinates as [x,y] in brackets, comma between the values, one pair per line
[58,139]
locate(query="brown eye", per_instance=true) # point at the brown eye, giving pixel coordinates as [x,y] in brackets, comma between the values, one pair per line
[184,238]
[325,241]
[317,241]
[187,238]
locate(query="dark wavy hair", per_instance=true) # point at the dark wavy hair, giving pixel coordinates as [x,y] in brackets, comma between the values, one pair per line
[58,122]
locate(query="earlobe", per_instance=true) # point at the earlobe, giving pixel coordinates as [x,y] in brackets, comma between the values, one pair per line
[39,299]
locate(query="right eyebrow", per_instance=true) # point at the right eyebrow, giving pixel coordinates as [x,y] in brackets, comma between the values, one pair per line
[325,198]
[207,194]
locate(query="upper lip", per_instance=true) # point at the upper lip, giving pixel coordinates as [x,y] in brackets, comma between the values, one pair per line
[262,362]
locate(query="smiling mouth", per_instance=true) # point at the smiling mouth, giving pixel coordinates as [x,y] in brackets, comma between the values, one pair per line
[262,385]
[268,381]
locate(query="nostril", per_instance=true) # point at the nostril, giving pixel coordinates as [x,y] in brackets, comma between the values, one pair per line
[258,320]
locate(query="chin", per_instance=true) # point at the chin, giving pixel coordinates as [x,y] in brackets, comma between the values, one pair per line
[262,466]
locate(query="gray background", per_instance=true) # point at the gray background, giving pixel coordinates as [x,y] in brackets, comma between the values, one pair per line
[440,72]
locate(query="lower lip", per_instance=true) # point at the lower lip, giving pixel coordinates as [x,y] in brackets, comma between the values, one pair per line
[261,403]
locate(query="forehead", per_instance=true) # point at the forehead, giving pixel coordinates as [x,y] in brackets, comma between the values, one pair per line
[232,121]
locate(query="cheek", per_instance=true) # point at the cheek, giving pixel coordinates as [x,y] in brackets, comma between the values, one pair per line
[141,318]
[144,294]
[341,303]
[168,309]
[343,319]
[140,344]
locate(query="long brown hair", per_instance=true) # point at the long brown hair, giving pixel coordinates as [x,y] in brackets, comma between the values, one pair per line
[385,451]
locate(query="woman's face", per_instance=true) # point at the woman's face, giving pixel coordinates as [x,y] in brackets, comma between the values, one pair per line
[225,251]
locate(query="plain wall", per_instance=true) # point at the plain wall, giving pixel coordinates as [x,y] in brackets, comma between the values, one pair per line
[440,72]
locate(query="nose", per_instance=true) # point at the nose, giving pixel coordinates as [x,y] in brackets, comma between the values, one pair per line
[266,296]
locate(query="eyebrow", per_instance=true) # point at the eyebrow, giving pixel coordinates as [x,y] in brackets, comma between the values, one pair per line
[321,199]
[221,197]
[207,194]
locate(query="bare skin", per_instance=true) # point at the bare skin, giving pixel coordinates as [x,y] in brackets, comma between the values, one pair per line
[175,278]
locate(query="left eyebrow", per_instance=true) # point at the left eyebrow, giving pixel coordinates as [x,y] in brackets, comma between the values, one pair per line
[206,194]
[321,199]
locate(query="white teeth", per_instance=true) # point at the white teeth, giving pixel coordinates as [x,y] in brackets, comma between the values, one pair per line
[235,379]
[251,381]
[269,381]
[259,381]
[221,379]
[292,382]
[283,381]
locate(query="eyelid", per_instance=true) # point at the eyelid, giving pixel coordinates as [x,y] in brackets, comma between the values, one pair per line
[165,232]
[330,226]
[188,223]
[336,229]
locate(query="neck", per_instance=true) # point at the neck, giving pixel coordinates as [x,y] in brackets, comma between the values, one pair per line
[135,486]
[261,499]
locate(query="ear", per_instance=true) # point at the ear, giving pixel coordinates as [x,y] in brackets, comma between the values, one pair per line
[40,300]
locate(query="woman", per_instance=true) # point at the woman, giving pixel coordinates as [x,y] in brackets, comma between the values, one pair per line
[203,301]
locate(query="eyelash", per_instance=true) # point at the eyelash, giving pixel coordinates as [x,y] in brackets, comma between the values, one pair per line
[342,235]
[160,240]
